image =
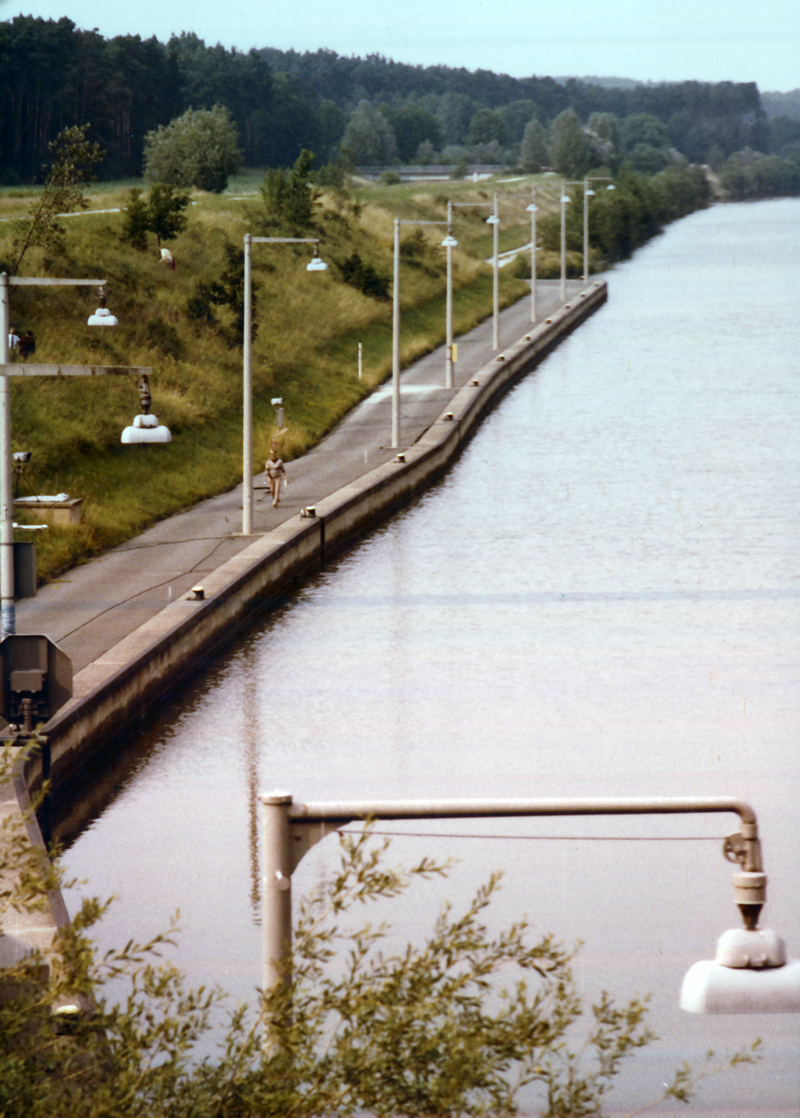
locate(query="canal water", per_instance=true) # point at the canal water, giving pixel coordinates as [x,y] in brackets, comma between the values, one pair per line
[601,598]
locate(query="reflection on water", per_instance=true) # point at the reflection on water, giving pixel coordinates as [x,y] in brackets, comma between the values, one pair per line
[601,598]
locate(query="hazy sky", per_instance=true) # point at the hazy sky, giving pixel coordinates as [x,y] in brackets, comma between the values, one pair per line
[656,40]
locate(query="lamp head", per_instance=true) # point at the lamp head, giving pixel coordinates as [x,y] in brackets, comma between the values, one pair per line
[750,974]
[102,316]
[449,241]
[532,208]
[565,198]
[493,219]
[316,264]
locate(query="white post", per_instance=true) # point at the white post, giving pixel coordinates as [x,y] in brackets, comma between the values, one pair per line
[8,619]
[448,380]
[359,360]
[396,338]
[563,242]
[585,230]
[533,254]
[496,279]
[247,395]
[276,887]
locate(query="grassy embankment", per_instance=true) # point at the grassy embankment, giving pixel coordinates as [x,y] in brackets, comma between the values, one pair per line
[305,350]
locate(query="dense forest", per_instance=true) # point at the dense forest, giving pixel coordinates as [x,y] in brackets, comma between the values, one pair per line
[374,110]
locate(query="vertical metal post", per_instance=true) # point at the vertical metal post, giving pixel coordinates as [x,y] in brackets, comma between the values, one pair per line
[585,230]
[247,395]
[359,360]
[563,241]
[276,889]
[496,279]
[448,380]
[8,618]
[533,254]
[396,338]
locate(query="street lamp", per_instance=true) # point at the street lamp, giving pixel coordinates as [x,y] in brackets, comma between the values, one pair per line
[587,194]
[493,220]
[449,242]
[316,265]
[565,199]
[751,973]
[8,617]
[533,209]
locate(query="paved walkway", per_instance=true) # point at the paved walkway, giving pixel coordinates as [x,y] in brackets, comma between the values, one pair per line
[95,606]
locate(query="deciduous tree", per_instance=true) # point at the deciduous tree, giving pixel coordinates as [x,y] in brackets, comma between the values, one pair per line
[73,158]
[200,148]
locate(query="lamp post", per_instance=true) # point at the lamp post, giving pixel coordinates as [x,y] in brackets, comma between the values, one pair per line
[8,620]
[565,199]
[316,265]
[533,209]
[449,243]
[587,194]
[494,220]
[751,973]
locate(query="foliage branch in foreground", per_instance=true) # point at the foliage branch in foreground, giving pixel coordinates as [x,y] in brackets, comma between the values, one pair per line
[458,1025]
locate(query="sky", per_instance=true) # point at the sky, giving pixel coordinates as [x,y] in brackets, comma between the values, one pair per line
[648,40]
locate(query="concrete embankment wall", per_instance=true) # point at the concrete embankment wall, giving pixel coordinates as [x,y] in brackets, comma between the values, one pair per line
[126,682]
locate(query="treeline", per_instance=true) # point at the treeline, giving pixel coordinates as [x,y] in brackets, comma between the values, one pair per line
[372,110]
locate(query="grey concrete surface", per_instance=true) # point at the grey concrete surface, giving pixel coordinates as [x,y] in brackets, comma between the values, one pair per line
[94,606]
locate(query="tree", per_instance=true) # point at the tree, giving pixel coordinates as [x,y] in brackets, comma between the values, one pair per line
[368,138]
[289,196]
[487,125]
[356,1027]
[533,153]
[200,148]
[570,150]
[412,125]
[162,214]
[73,158]
[643,128]
[227,291]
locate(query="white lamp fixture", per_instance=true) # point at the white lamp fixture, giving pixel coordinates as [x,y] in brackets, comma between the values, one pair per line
[102,316]
[316,264]
[532,209]
[751,972]
[493,219]
[449,241]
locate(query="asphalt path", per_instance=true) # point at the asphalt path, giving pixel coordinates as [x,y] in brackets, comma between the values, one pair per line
[94,606]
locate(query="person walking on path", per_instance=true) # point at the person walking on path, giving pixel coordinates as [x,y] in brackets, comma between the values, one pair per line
[27,345]
[276,474]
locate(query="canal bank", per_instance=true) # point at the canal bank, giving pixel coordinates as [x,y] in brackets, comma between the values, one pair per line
[129,678]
